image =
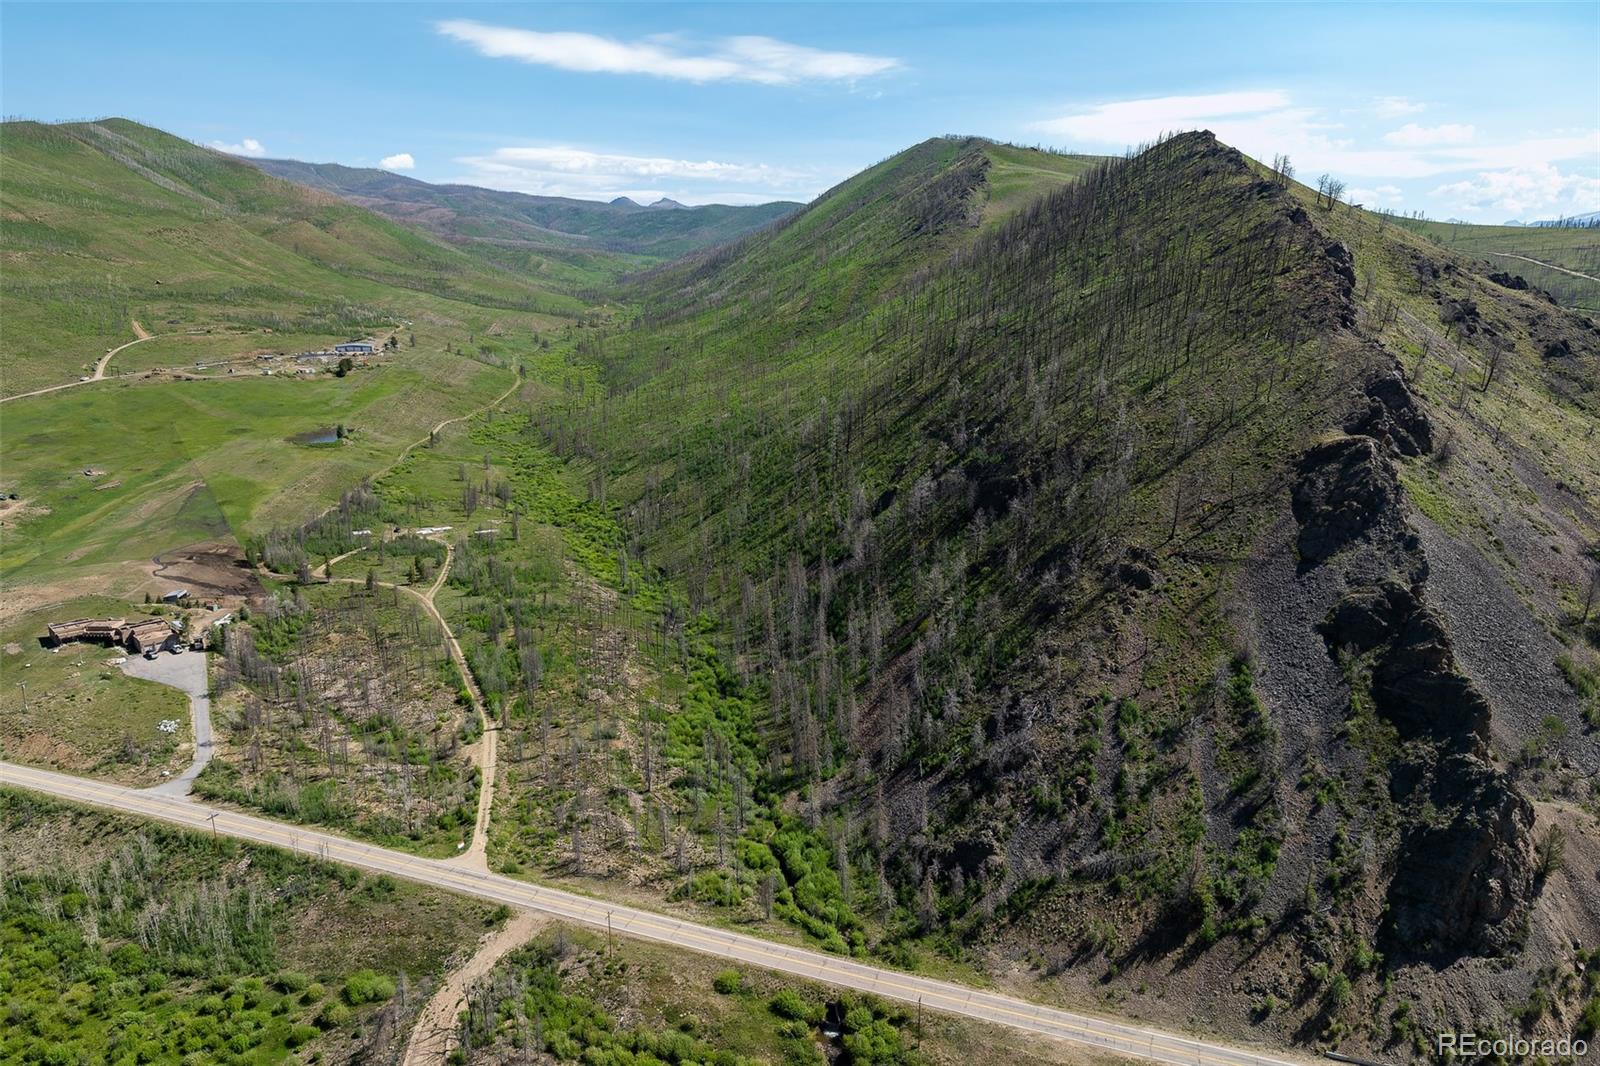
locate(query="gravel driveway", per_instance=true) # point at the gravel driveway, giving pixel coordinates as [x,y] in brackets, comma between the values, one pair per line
[187,672]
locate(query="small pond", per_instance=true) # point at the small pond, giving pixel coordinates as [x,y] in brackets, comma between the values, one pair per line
[320,435]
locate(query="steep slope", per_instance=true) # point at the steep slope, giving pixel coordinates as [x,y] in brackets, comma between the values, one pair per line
[110,220]
[1131,579]
[549,224]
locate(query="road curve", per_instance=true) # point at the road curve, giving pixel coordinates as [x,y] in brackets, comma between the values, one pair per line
[1118,1037]
[99,368]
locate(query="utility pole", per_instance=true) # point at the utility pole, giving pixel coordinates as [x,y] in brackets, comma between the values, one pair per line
[213,817]
[23,685]
[610,938]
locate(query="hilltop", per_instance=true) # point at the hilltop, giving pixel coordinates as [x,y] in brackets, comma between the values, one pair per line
[1130,568]
[518,224]
[110,221]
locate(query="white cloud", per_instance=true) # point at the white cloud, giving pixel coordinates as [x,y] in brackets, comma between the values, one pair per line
[566,171]
[398,161]
[1412,135]
[1134,121]
[1264,123]
[754,59]
[249,146]
[1381,196]
[1529,192]
[1395,106]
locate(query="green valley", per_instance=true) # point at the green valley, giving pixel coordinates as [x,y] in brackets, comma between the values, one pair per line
[1084,577]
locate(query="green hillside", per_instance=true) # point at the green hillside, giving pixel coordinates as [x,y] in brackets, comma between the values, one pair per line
[1035,538]
[1094,575]
[562,230]
[1509,249]
[111,221]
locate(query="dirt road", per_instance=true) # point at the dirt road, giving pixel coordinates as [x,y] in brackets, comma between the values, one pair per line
[99,368]
[434,1034]
[1541,262]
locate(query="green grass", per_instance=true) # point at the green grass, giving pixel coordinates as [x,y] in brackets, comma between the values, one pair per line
[203,460]
[79,714]
[1575,249]
[112,221]
[1017,176]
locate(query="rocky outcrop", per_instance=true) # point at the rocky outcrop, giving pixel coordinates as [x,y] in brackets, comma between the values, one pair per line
[1463,873]
[1343,489]
[1393,417]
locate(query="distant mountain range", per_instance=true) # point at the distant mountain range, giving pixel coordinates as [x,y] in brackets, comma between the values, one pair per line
[1579,221]
[664,202]
[513,220]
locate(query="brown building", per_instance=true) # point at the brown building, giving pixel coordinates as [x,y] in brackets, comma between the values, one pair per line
[110,630]
[146,635]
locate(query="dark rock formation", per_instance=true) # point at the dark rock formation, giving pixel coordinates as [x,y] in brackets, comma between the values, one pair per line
[1393,416]
[1465,875]
[1464,871]
[1344,487]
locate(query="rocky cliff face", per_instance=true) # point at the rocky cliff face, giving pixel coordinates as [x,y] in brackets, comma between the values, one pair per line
[1463,873]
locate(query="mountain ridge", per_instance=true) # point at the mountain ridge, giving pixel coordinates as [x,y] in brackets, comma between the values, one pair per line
[553,223]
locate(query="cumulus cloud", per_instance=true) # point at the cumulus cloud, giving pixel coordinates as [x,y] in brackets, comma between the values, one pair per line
[1412,135]
[1536,191]
[398,161]
[764,60]
[1395,106]
[249,146]
[1264,123]
[567,171]
[1381,196]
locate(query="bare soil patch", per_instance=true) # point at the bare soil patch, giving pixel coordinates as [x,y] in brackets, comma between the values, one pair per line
[210,568]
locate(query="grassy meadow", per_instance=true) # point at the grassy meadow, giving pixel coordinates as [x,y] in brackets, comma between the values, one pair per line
[186,461]
[78,712]
[112,221]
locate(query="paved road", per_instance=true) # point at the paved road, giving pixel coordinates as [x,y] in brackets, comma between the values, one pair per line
[186,672]
[1120,1037]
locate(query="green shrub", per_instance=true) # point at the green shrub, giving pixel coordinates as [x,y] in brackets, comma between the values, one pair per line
[367,986]
[728,982]
[791,1005]
[333,1014]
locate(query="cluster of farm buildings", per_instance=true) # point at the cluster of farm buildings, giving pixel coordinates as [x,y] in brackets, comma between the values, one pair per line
[146,636]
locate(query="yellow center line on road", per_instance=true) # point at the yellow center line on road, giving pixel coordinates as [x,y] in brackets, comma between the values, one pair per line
[937,995]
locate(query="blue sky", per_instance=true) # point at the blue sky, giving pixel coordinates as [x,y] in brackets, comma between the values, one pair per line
[1485,112]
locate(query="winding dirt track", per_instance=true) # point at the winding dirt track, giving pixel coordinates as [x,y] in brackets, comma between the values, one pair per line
[99,368]
[485,752]
[434,1034]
